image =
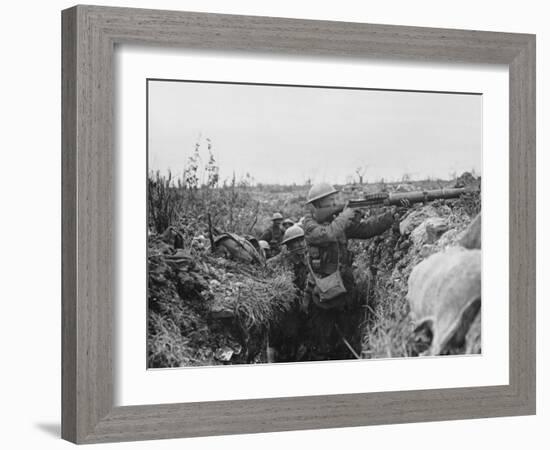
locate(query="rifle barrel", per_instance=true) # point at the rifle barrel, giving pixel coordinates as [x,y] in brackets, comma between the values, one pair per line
[395,198]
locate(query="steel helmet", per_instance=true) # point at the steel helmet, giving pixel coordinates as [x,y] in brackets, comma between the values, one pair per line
[319,191]
[277,216]
[294,232]
[264,245]
[289,221]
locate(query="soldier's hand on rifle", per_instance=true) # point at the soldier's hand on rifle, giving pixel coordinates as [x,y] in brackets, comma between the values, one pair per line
[401,210]
[348,213]
[405,203]
[359,215]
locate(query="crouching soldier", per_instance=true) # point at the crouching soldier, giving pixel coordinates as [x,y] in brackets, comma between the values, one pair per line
[334,314]
[285,340]
[293,256]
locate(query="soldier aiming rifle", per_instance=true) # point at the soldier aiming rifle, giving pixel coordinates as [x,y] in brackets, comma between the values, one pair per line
[389,199]
[330,298]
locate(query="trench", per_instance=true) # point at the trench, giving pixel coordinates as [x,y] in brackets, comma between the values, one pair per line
[206,310]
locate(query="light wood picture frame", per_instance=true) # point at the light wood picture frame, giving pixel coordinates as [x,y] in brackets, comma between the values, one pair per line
[89,36]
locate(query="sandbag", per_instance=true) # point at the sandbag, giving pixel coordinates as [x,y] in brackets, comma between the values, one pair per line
[444,291]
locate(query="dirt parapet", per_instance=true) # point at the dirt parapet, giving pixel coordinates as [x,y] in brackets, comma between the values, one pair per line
[390,258]
[207,310]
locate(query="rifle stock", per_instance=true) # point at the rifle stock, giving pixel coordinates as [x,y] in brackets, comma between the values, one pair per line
[390,199]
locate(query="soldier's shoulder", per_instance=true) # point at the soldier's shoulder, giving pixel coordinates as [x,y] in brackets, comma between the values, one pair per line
[308,222]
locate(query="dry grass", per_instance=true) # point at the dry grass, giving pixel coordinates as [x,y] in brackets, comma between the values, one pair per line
[167,347]
[260,304]
[387,332]
[162,201]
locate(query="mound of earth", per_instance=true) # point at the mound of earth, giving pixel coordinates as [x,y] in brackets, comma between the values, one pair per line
[208,310]
[388,259]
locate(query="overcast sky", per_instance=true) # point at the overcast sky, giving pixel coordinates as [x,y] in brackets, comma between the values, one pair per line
[282,134]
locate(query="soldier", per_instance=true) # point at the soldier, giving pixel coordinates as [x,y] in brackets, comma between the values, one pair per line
[274,234]
[287,336]
[287,223]
[294,256]
[330,300]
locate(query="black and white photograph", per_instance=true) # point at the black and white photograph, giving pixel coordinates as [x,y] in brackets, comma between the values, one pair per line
[292,224]
[269,225]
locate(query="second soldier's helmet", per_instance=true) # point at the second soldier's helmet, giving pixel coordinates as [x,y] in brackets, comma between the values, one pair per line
[264,245]
[294,232]
[319,191]
[288,222]
[277,216]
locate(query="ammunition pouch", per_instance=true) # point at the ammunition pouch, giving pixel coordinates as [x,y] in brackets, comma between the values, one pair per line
[330,287]
[324,265]
[329,290]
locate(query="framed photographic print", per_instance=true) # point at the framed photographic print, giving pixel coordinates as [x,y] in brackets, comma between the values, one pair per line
[279,224]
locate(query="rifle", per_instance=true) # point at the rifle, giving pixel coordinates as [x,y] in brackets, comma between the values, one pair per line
[390,199]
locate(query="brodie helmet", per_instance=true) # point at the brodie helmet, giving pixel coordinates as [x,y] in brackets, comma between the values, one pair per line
[294,232]
[287,223]
[277,216]
[319,191]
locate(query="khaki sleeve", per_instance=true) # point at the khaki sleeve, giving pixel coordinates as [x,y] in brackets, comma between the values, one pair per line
[371,227]
[317,234]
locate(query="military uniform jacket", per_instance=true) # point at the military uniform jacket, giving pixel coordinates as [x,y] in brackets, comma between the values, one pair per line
[327,242]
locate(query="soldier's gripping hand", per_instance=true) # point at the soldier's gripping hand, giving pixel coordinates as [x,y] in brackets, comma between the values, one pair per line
[359,214]
[348,213]
[401,210]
